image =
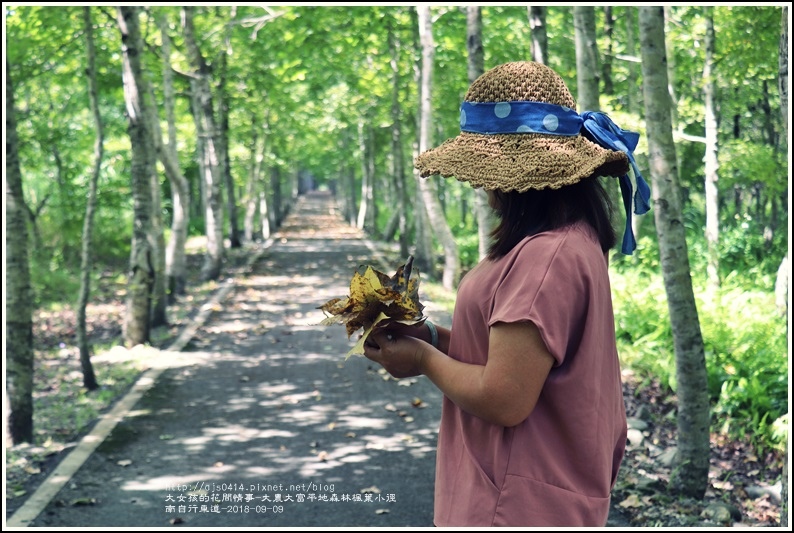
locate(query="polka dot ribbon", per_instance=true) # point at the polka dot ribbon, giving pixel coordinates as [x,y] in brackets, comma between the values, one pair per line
[489,118]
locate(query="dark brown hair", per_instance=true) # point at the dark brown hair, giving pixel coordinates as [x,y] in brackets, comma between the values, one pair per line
[532,212]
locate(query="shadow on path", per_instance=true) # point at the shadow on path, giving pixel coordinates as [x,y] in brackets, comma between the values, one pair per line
[265,424]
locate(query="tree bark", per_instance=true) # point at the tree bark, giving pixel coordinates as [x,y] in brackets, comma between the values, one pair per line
[175,260]
[366,208]
[223,137]
[398,166]
[476,64]
[18,294]
[606,66]
[276,208]
[207,132]
[141,274]
[632,104]
[159,289]
[711,161]
[586,58]
[426,185]
[253,189]
[690,472]
[670,52]
[537,26]
[89,378]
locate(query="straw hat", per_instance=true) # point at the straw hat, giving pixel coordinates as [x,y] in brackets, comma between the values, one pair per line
[520,161]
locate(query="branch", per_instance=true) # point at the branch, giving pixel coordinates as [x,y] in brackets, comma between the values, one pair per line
[687,137]
[258,22]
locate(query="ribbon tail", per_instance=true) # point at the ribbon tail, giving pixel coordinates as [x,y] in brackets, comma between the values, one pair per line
[642,196]
[629,243]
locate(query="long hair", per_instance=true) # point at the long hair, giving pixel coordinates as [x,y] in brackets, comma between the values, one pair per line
[529,213]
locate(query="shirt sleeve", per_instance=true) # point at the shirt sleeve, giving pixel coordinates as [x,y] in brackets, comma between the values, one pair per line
[547,284]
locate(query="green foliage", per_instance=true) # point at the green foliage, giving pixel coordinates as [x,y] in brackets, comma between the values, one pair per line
[468,249]
[743,161]
[642,325]
[744,341]
[748,381]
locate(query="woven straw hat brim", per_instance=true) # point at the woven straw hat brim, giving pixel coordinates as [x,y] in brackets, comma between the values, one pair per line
[519,162]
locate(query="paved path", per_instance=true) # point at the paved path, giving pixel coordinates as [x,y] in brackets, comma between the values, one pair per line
[259,421]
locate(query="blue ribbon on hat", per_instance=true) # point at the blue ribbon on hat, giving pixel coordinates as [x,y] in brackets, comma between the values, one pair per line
[490,118]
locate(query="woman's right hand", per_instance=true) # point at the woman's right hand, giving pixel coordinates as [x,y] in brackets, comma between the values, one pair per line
[400,354]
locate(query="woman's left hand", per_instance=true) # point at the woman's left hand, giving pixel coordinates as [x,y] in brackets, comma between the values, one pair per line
[400,355]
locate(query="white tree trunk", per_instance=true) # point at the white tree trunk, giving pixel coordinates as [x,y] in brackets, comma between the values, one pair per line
[426,185]
[483,212]
[711,161]
[89,378]
[175,260]
[141,274]
[586,59]
[690,473]
[207,132]
[18,295]
[537,28]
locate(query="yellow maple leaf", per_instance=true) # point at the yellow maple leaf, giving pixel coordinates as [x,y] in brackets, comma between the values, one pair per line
[376,299]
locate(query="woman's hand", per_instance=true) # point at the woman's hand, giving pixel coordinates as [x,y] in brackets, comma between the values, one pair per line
[399,353]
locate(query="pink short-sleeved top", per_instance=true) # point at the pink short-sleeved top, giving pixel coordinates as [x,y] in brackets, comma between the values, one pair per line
[558,466]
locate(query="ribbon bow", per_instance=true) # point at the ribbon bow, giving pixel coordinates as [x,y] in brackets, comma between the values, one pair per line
[600,129]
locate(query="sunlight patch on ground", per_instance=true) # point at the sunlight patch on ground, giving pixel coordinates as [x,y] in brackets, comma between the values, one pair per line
[307,417]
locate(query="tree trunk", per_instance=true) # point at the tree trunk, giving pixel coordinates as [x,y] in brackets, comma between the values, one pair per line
[632,104]
[484,214]
[253,188]
[586,58]
[537,26]
[89,378]
[690,472]
[398,166]
[366,181]
[207,132]
[276,203]
[175,260]
[348,180]
[783,272]
[427,186]
[711,161]
[137,320]
[18,294]
[160,288]
[226,169]
[670,52]
[606,68]
[264,215]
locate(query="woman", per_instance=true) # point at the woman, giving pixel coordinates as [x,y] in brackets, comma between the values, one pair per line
[533,425]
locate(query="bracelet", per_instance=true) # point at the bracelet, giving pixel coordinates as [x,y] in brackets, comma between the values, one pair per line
[433,333]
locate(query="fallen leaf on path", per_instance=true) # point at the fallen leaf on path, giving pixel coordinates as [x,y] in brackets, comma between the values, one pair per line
[631,501]
[124,462]
[83,501]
